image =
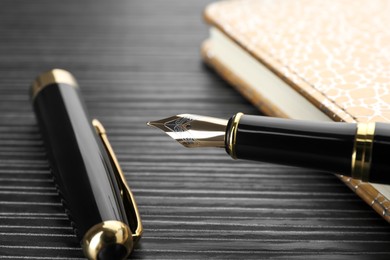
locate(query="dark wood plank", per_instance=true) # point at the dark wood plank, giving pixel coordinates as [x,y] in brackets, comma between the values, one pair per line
[137,61]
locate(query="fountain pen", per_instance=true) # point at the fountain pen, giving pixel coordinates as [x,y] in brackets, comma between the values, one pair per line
[358,150]
[87,175]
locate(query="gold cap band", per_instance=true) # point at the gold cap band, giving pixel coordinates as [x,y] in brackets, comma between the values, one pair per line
[109,235]
[362,150]
[231,144]
[51,77]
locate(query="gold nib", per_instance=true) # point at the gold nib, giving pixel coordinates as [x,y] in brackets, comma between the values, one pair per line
[193,130]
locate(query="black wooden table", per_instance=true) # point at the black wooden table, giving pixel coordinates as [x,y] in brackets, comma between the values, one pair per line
[137,61]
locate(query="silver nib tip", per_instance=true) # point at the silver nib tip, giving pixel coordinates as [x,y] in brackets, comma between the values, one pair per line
[193,130]
[151,123]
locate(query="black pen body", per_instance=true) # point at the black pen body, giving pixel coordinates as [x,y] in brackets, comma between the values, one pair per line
[80,165]
[380,165]
[351,149]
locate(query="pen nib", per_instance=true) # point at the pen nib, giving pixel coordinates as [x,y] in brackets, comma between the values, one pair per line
[193,130]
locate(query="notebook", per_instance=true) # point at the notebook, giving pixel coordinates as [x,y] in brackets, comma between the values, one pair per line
[308,59]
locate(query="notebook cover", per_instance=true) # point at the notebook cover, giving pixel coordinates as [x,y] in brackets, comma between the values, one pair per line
[335,53]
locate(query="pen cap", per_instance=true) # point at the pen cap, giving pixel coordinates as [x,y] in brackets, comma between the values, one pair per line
[82,169]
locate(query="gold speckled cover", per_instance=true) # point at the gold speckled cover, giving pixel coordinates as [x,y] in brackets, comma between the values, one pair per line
[336,53]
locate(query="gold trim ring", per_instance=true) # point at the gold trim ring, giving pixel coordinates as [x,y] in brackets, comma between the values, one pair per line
[233,135]
[362,150]
[55,76]
[112,233]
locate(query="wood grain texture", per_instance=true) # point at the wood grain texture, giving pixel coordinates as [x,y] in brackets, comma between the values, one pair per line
[137,61]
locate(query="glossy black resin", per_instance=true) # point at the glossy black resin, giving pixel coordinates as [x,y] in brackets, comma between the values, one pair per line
[80,164]
[319,145]
[379,172]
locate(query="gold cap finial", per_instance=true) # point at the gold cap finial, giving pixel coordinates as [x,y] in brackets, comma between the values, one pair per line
[51,77]
[112,238]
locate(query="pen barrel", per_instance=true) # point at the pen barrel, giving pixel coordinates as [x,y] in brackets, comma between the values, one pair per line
[319,145]
[80,165]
